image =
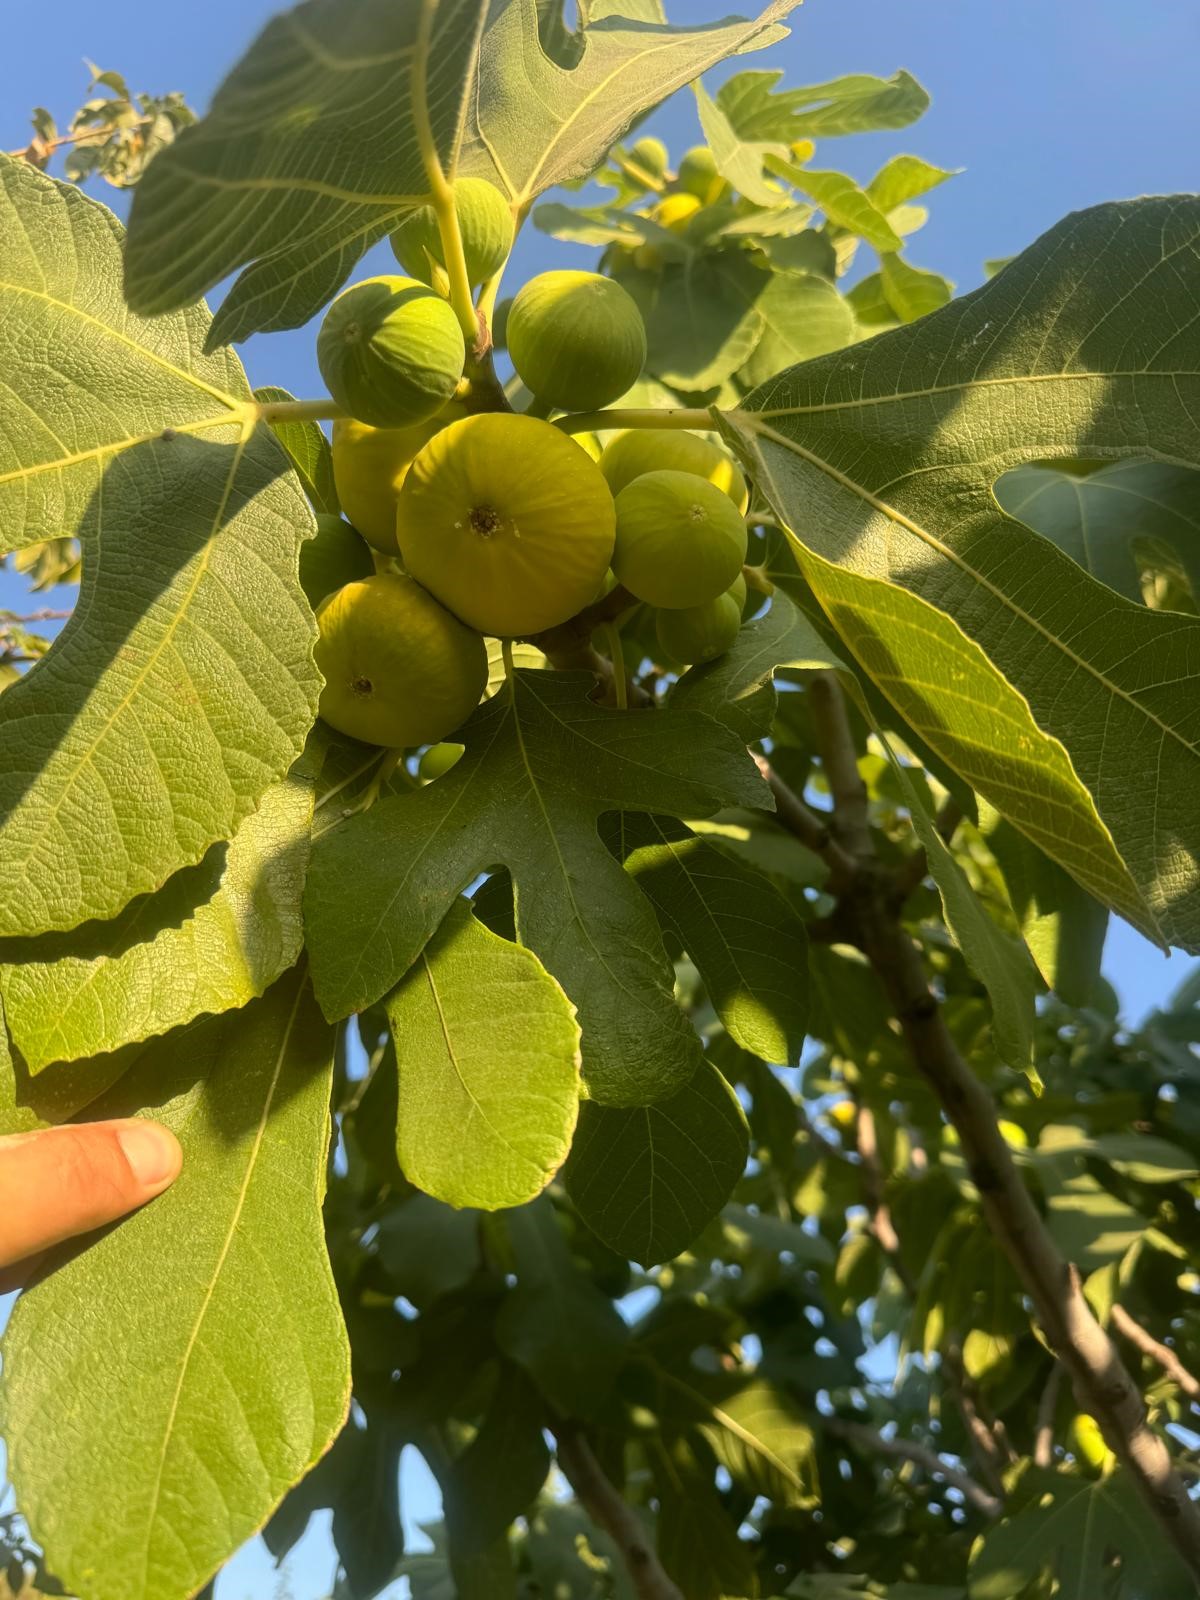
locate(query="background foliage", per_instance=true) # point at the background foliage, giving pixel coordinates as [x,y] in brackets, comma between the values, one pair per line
[742,1413]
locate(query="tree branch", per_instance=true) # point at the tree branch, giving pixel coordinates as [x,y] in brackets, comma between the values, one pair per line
[610,1512]
[867,1439]
[840,760]
[813,831]
[1102,1382]
[1161,1353]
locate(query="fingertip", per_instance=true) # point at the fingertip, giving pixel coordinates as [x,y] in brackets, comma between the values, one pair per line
[153,1153]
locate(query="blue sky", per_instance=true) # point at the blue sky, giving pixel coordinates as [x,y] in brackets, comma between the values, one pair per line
[1048,105]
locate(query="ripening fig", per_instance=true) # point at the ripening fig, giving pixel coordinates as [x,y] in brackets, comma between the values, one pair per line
[639,450]
[698,175]
[843,1114]
[576,339]
[649,155]
[335,557]
[391,351]
[680,540]
[1088,1443]
[438,760]
[399,669]
[676,211]
[370,465]
[508,522]
[485,221]
[694,634]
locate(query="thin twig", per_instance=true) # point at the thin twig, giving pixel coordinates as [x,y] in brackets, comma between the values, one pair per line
[1043,1439]
[1102,1382]
[11,619]
[610,1512]
[867,1439]
[882,1226]
[1161,1353]
[989,1438]
[840,760]
[809,827]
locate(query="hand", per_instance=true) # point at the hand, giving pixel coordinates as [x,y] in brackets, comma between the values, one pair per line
[65,1181]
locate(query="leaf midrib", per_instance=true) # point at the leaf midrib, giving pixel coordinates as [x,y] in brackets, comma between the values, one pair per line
[239,1207]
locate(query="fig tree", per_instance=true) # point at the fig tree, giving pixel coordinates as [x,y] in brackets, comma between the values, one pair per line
[628,455]
[485,221]
[391,351]
[699,633]
[576,339]
[370,465]
[680,541]
[508,522]
[399,669]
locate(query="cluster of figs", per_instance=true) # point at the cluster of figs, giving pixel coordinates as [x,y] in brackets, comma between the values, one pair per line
[498,524]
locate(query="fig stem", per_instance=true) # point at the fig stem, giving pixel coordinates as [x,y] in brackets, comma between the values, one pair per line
[598,421]
[441,189]
[611,635]
[299,411]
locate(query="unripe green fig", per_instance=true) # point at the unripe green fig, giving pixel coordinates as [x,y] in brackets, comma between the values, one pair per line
[508,522]
[438,760]
[576,339]
[694,634]
[391,351]
[640,450]
[371,464]
[680,540]
[399,669]
[737,592]
[485,221]
[698,175]
[336,556]
[1088,1444]
[649,155]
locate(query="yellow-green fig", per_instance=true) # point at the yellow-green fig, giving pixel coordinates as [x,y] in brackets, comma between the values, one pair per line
[649,156]
[508,522]
[371,464]
[1088,1443]
[399,669]
[438,760]
[640,450]
[391,351]
[676,211]
[485,222]
[576,339]
[698,175]
[680,540]
[694,634]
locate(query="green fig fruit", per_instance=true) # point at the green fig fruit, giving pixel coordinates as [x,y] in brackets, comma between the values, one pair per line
[399,669]
[438,760]
[391,351]
[680,541]
[371,464]
[576,339]
[638,450]
[698,175]
[485,221]
[508,522]
[693,634]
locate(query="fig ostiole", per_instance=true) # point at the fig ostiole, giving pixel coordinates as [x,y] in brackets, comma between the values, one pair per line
[508,522]
[391,351]
[577,339]
[639,450]
[680,540]
[485,224]
[399,669]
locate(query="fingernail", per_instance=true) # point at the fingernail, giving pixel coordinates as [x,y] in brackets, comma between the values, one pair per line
[152,1152]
